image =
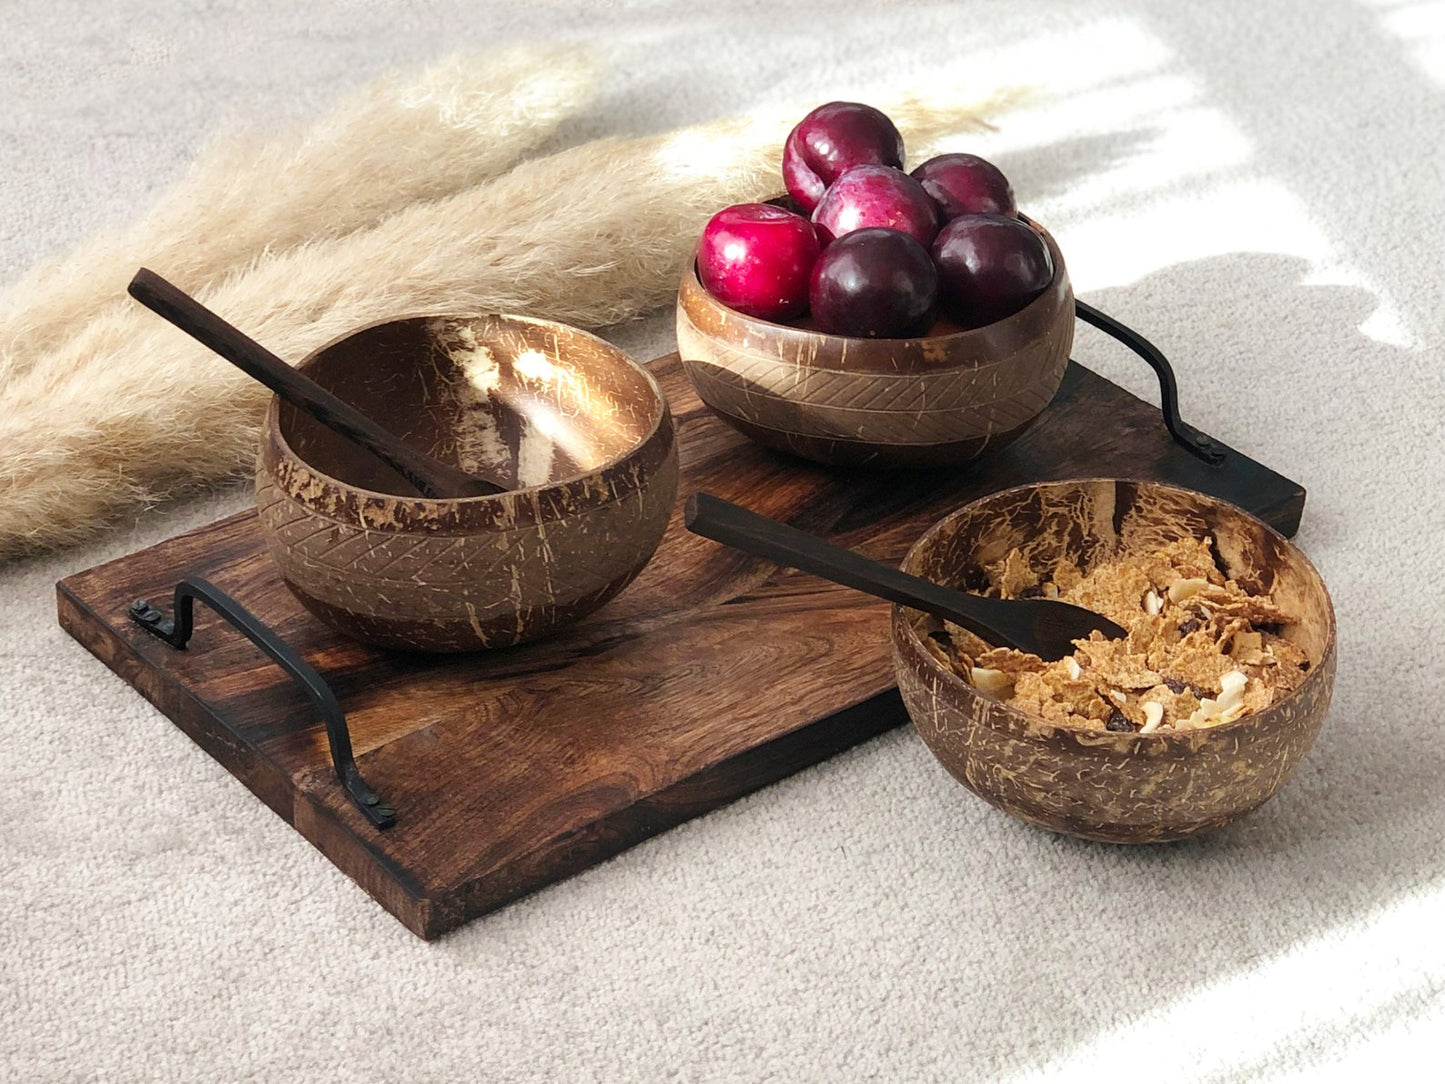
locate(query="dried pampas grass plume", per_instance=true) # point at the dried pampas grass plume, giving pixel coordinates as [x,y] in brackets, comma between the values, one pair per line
[398,141]
[131,411]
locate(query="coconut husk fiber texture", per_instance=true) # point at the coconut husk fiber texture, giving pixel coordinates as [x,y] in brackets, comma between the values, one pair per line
[130,411]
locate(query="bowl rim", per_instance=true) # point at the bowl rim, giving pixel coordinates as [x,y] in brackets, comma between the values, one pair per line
[662,414]
[799,335]
[1041,728]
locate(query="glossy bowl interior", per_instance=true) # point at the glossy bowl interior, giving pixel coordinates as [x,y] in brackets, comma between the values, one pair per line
[1113,787]
[942,399]
[578,432]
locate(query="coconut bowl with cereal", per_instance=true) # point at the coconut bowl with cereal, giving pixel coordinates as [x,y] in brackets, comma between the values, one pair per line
[1192,721]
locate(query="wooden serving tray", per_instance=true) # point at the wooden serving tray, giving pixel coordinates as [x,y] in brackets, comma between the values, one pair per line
[714,674]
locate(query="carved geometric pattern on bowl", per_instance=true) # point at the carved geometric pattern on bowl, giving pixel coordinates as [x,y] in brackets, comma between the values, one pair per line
[817,417]
[883,391]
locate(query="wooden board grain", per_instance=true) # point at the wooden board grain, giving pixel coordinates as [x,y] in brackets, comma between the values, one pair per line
[712,675]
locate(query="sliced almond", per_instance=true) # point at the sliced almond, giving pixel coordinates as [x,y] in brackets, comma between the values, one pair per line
[1232,684]
[1153,604]
[1072,668]
[1153,716]
[1230,715]
[1204,715]
[1232,691]
[1180,590]
[992,682]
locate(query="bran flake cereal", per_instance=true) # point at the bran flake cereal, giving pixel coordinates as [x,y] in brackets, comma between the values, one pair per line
[1200,651]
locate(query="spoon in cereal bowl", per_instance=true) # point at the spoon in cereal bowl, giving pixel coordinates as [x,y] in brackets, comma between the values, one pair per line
[1041,627]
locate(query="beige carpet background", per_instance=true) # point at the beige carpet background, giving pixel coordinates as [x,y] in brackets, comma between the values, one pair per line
[1256,186]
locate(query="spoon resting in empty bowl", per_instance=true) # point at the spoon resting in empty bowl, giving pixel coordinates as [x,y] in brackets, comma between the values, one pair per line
[1041,627]
[431,476]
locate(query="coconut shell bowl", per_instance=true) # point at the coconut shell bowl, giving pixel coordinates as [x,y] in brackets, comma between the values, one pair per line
[577,433]
[1113,787]
[939,400]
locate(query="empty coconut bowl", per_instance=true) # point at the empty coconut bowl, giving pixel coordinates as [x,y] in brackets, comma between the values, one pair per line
[578,432]
[1113,787]
[942,399]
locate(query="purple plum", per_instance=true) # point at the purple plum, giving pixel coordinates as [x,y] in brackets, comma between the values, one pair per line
[832,138]
[876,196]
[965,184]
[989,267]
[874,283]
[758,258]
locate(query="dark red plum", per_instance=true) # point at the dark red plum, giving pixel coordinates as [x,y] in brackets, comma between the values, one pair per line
[758,259]
[833,138]
[874,283]
[965,184]
[866,197]
[989,267]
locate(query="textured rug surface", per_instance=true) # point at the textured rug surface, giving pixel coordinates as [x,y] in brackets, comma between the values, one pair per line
[1256,186]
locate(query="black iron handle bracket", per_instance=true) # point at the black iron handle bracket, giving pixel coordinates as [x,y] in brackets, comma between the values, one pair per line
[177,633]
[1192,440]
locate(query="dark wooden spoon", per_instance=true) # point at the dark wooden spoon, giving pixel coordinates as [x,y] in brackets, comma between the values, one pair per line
[1039,626]
[431,477]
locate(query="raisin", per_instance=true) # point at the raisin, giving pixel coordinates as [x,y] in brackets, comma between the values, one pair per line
[1175,685]
[1189,626]
[1119,723]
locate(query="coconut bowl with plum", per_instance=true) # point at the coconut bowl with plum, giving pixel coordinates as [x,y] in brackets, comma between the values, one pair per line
[873,316]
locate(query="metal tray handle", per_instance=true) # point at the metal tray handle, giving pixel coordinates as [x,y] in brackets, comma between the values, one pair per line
[1192,440]
[177,633]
